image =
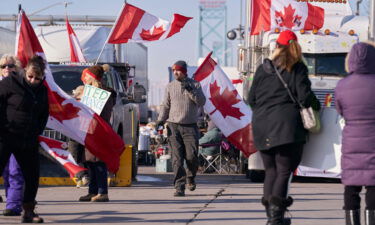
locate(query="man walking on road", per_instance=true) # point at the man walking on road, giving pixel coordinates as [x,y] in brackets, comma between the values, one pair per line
[182,99]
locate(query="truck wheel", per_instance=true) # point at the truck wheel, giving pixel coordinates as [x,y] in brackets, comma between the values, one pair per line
[135,156]
[243,164]
[134,162]
[256,176]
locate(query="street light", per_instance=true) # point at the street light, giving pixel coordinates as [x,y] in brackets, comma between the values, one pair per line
[50,6]
[239,31]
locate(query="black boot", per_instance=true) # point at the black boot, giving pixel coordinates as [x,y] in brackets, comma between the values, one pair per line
[369,217]
[29,216]
[277,208]
[266,206]
[353,217]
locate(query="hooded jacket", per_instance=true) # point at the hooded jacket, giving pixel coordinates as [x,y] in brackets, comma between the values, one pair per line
[354,97]
[276,119]
[23,110]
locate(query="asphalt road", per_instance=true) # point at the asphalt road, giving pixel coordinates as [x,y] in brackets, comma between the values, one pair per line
[218,199]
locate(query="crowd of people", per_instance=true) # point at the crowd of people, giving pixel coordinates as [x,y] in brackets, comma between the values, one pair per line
[278,130]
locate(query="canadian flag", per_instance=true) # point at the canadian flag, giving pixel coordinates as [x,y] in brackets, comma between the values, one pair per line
[76,54]
[56,150]
[67,115]
[225,106]
[139,26]
[285,14]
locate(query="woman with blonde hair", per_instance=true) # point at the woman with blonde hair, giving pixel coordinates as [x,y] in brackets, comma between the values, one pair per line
[9,64]
[278,131]
[24,114]
[12,175]
[354,101]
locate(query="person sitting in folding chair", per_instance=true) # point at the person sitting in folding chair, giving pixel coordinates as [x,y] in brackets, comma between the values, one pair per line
[210,149]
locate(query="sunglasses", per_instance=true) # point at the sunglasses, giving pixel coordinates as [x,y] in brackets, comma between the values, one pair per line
[35,78]
[7,65]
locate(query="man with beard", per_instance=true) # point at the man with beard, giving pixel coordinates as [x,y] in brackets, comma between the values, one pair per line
[182,99]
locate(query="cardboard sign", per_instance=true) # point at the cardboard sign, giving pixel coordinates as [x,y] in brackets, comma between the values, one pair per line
[95,98]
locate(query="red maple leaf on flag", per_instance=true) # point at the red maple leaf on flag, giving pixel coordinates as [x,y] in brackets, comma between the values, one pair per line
[58,110]
[156,34]
[224,102]
[287,19]
[59,156]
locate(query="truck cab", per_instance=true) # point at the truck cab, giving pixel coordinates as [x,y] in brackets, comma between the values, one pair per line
[125,116]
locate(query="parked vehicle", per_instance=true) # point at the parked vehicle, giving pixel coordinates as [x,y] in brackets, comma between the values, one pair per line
[125,115]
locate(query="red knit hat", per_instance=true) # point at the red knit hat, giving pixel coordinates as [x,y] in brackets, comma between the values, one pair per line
[286,37]
[180,66]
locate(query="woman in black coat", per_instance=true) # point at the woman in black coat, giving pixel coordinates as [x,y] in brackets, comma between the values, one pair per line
[23,115]
[278,131]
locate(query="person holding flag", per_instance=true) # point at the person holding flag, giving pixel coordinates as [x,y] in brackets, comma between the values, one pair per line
[98,173]
[278,131]
[24,113]
[182,99]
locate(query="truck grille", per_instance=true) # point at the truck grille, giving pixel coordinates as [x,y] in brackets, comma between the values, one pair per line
[54,135]
[321,95]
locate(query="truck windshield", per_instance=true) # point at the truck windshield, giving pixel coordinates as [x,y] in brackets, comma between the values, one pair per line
[326,64]
[68,78]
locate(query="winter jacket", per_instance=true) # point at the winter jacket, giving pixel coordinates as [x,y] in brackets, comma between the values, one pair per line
[354,96]
[212,139]
[276,119]
[181,106]
[23,110]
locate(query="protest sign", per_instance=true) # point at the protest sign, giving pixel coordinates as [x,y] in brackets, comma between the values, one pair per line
[95,98]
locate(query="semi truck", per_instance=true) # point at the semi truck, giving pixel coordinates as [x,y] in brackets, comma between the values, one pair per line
[324,51]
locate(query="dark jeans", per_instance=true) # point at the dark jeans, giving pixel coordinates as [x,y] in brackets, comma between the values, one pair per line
[77,150]
[98,178]
[183,140]
[280,162]
[27,156]
[352,200]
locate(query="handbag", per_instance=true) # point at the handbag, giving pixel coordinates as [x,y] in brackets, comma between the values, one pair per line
[310,117]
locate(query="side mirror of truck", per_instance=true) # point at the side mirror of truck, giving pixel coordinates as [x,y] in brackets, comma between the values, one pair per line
[137,94]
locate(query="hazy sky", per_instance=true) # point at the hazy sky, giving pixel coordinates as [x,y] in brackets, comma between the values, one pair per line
[183,45]
[162,54]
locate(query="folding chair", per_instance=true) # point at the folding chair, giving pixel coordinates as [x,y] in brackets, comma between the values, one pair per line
[230,162]
[210,161]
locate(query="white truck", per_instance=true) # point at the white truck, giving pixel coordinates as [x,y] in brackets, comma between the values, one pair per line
[324,52]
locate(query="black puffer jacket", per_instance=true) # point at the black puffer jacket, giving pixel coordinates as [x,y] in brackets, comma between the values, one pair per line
[276,119]
[23,110]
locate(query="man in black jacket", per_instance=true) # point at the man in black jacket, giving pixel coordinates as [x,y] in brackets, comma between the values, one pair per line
[23,117]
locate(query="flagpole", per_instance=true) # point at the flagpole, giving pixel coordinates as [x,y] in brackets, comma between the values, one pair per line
[110,33]
[96,62]
[66,10]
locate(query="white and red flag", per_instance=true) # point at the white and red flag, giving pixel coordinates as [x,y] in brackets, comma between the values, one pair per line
[225,106]
[134,24]
[285,14]
[57,150]
[76,54]
[67,115]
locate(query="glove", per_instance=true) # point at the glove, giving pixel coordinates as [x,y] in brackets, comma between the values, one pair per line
[159,124]
[186,85]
